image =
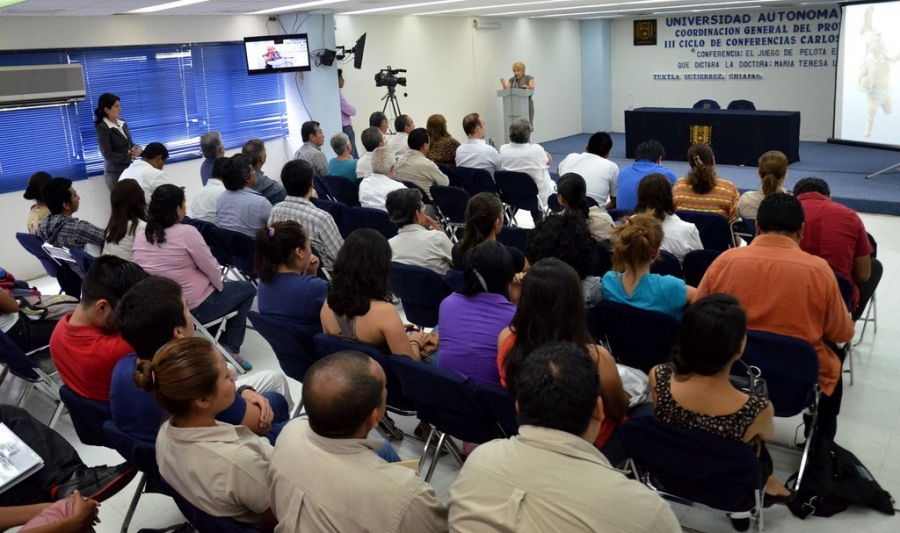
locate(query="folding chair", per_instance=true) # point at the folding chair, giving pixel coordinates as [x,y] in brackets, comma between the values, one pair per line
[204,522]
[514,237]
[426,198]
[340,213]
[19,364]
[454,279]
[617,214]
[715,231]
[451,203]
[554,205]
[475,180]
[238,249]
[667,265]
[343,190]
[69,282]
[211,239]
[846,287]
[501,404]
[871,314]
[696,263]
[746,105]
[220,323]
[421,291]
[517,191]
[744,228]
[87,416]
[366,217]
[295,351]
[624,329]
[692,466]
[322,190]
[78,260]
[447,171]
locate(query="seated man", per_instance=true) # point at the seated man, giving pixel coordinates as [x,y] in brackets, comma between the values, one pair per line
[648,159]
[240,208]
[600,174]
[297,177]
[150,315]
[788,291]
[420,241]
[836,234]
[416,168]
[213,149]
[371,138]
[475,153]
[148,170]
[550,477]
[60,229]
[379,120]
[398,144]
[520,155]
[85,345]
[373,190]
[344,396]
[204,205]
[311,151]
[255,149]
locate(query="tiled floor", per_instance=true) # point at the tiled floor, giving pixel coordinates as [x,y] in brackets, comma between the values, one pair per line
[868,426]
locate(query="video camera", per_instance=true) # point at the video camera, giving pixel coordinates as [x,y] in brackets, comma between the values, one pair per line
[387,77]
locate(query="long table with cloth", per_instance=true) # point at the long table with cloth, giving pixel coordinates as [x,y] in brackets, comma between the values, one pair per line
[738,137]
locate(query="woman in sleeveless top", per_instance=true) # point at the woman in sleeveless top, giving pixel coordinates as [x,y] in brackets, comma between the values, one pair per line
[358,307]
[694,391]
[521,81]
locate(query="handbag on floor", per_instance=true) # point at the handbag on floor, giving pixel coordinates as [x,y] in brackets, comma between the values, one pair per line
[52,307]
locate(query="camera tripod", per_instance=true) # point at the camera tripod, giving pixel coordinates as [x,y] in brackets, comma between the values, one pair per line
[390,99]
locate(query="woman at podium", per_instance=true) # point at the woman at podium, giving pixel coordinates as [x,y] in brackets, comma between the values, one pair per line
[521,81]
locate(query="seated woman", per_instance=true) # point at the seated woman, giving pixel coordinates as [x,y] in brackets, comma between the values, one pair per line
[693,391]
[343,165]
[358,307]
[128,218]
[441,145]
[571,191]
[219,468]
[551,309]
[288,287]
[39,210]
[484,220]
[567,237]
[702,190]
[679,237]
[420,241]
[174,250]
[773,166]
[470,322]
[630,281]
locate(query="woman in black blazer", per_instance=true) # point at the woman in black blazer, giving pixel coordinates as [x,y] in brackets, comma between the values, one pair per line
[113,138]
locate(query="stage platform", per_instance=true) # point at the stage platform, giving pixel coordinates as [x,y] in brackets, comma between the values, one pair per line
[843,167]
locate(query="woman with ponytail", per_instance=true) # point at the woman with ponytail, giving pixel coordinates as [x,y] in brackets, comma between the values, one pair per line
[219,468]
[484,220]
[286,267]
[773,167]
[702,190]
[571,191]
[630,281]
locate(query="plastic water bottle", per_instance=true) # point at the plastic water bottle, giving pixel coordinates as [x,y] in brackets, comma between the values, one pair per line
[631,102]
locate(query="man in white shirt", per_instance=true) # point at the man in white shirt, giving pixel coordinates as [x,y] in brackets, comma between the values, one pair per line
[148,170]
[203,207]
[373,190]
[475,153]
[599,173]
[420,241]
[403,125]
[416,168]
[519,155]
[371,139]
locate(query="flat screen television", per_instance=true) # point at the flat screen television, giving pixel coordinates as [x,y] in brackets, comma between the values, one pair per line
[271,54]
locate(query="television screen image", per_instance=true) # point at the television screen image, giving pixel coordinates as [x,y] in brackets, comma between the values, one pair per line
[277,53]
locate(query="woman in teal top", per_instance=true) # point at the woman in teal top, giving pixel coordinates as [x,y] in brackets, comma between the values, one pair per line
[630,281]
[343,165]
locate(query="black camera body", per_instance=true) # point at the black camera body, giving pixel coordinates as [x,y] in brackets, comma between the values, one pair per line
[387,77]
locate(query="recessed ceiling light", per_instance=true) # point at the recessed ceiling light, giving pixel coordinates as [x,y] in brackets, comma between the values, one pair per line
[296,7]
[405,6]
[163,7]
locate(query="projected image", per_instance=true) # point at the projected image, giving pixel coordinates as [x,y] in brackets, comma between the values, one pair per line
[285,53]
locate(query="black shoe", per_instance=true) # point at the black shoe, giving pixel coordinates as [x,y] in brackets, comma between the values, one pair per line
[740,524]
[97,483]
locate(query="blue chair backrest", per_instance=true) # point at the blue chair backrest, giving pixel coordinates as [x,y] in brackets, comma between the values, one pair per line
[715,471]
[667,265]
[553,203]
[695,264]
[626,329]
[87,416]
[475,180]
[82,259]
[846,287]
[295,351]
[517,189]
[741,104]
[445,169]
[426,199]
[707,104]
[421,291]
[445,400]
[212,239]
[207,523]
[715,231]
[616,214]
[514,237]
[322,190]
[602,260]
[366,217]
[455,280]
[501,405]
[744,228]
[239,247]
[452,202]
[790,367]
[16,361]
[344,190]
[32,244]
[340,213]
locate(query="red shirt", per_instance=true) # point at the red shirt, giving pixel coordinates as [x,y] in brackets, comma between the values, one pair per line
[835,233]
[85,357]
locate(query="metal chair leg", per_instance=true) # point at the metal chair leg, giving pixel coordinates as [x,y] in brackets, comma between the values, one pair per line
[437,456]
[134,501]
[425,451]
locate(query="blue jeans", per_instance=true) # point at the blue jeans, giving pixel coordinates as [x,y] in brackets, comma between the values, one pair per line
[234,296]
[388,453]
[348,130]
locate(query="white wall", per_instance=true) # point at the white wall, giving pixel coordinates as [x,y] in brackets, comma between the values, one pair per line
[455,70]
[596,81]
[809,90]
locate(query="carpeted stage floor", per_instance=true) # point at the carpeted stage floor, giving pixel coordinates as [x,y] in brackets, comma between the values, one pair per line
[843,167]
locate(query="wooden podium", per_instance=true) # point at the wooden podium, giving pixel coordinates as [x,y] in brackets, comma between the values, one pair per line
[515,106]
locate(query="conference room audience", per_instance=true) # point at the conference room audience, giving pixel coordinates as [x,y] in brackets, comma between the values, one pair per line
[702,189]
[359,308]
[255,149]
[420,241]
[326,475]
[572,196]
[344,164]
[630,281]
[520,81]
[289,290]
[475,153]
[219,468]
[127,218]
[205,202]
[113,138]
[442,145]
[371,139]
[398,144]
[148,170]
[520,155]
[655,195]
[177,251]
[213,149]
[484,221]
[600,174]
[648,158]
[470,321]
[773,166]
[415,167]
[374,189]
[567,237]
[38,211]
[311,151]
[239,208]
[551,309]
[60,228]
[568,485]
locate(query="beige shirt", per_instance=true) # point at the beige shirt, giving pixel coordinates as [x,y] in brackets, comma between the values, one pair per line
[418,169]
[222,470]
[342,486]
[548,480]
[419,246]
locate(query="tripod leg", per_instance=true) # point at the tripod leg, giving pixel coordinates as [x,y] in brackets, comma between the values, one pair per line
[883,171]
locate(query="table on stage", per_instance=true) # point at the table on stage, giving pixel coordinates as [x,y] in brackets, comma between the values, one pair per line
[737,137]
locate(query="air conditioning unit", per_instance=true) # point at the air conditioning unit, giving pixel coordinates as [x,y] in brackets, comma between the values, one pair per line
[41,84]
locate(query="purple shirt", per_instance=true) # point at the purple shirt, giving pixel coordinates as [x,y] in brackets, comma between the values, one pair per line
[469,327]
[347,111]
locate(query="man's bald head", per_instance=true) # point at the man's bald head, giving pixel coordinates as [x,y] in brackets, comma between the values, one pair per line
[340,392]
